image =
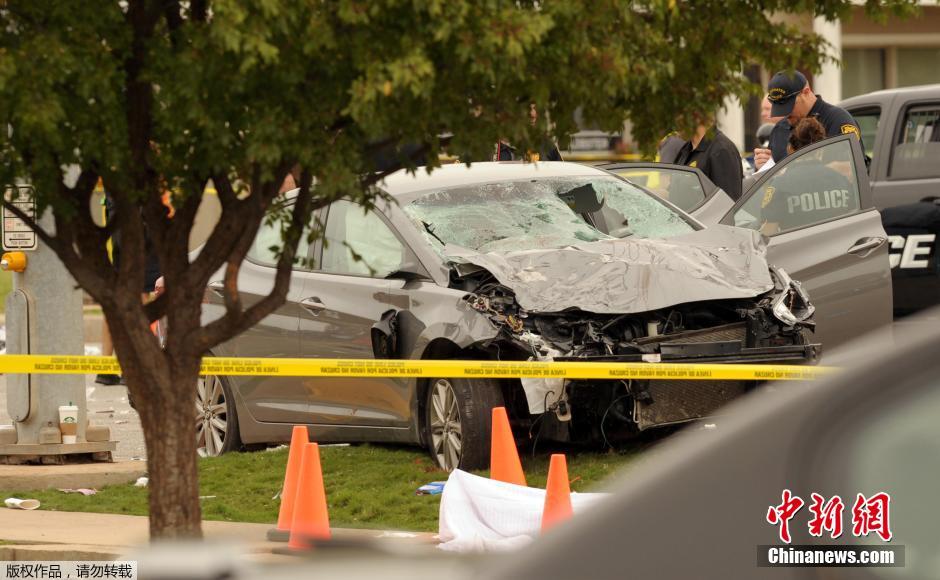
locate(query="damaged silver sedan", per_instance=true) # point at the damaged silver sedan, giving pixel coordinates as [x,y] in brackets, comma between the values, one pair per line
[502,262]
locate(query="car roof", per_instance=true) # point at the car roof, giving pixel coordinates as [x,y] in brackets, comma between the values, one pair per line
[885,94]
[402,183]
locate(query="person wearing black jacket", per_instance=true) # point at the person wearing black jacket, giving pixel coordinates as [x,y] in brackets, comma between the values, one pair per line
[712,152]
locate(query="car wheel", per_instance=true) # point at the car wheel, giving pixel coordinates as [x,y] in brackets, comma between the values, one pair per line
[459,418]
[216,420]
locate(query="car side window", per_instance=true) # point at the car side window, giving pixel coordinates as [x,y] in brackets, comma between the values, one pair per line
[917,147]
[266,246]
[868,120]
[682,188]
[815,186]
[358,242]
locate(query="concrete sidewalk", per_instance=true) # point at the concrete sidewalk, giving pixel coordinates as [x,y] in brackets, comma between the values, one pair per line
[71,475]
[43,535]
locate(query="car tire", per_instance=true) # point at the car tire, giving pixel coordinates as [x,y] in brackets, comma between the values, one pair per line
[459,422]
[216,417]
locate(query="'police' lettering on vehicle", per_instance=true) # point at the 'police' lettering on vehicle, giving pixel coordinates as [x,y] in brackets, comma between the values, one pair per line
[916,251]
[833,198]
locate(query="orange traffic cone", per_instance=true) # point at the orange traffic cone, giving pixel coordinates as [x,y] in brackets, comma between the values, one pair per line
[310,521]
[504,457]
[557,493]
[298,439]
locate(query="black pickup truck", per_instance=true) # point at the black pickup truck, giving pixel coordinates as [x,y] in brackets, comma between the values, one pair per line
[901,133]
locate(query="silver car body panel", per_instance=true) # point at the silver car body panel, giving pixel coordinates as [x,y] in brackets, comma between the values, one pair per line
[632,275]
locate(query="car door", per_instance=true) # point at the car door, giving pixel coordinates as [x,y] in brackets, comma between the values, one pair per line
[908,170]
[343,299]
[816,208]
[268,399]
[685,187]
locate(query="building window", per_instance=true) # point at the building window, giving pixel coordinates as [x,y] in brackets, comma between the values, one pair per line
[918,66]
[863,71]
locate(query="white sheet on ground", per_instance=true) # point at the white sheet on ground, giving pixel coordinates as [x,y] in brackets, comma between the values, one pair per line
[480,514]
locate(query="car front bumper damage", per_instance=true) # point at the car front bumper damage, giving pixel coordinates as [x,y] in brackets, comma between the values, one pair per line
[769,328]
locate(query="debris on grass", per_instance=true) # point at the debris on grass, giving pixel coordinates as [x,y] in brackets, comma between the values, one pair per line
[15,503]
[433,488]
[81,490]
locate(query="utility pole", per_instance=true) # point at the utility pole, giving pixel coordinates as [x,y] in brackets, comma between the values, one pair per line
[43,316]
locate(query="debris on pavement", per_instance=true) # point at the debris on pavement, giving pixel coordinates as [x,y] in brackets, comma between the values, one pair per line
[388,534]
[15,503]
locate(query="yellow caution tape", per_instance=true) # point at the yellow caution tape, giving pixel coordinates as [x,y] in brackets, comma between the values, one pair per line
[306,367]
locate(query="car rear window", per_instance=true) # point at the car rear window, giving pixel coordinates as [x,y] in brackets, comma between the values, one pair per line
[539,214]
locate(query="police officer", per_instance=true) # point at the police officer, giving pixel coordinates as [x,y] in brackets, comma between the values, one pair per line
[713,153]
[791,97]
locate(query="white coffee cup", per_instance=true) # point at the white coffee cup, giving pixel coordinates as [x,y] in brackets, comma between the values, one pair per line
[68,423]
[21,504]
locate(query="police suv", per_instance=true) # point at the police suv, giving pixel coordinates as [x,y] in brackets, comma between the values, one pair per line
[901,132]
[814,205]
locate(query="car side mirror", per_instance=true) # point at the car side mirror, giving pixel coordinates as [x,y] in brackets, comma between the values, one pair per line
[408,270]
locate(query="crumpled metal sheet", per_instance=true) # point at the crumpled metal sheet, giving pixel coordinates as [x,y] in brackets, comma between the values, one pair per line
[630,275]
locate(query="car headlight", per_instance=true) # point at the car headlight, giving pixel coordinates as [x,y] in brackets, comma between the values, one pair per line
[791,305]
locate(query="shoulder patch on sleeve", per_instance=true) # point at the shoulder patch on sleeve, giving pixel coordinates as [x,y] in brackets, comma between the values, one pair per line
[768,196]
[850,128]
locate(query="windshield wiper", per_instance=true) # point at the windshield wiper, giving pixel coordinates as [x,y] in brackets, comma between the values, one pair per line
[430,230]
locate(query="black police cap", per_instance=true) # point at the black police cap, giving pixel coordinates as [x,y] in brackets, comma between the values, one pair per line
[782,91]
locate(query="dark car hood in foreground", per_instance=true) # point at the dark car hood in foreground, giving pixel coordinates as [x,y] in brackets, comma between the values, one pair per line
[630,275]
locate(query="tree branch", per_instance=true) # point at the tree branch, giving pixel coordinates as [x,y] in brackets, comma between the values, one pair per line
[156,309]
[240,220]
[174,18]
[224,189]
[235,321]
[198,10]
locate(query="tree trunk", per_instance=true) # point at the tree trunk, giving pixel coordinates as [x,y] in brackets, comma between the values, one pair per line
[167,416]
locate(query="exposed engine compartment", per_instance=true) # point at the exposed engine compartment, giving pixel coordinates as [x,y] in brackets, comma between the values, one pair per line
[768,328]
[776,318]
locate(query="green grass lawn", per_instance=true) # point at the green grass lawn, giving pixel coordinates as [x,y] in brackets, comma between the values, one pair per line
[367,486]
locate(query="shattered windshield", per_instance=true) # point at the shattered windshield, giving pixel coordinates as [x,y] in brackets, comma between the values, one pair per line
[631,211]
[540,214]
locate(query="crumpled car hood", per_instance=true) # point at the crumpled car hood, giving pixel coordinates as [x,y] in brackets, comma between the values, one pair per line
[627,276]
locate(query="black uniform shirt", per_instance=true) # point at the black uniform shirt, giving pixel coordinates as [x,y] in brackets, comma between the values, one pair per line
[835,120]
[717,157]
